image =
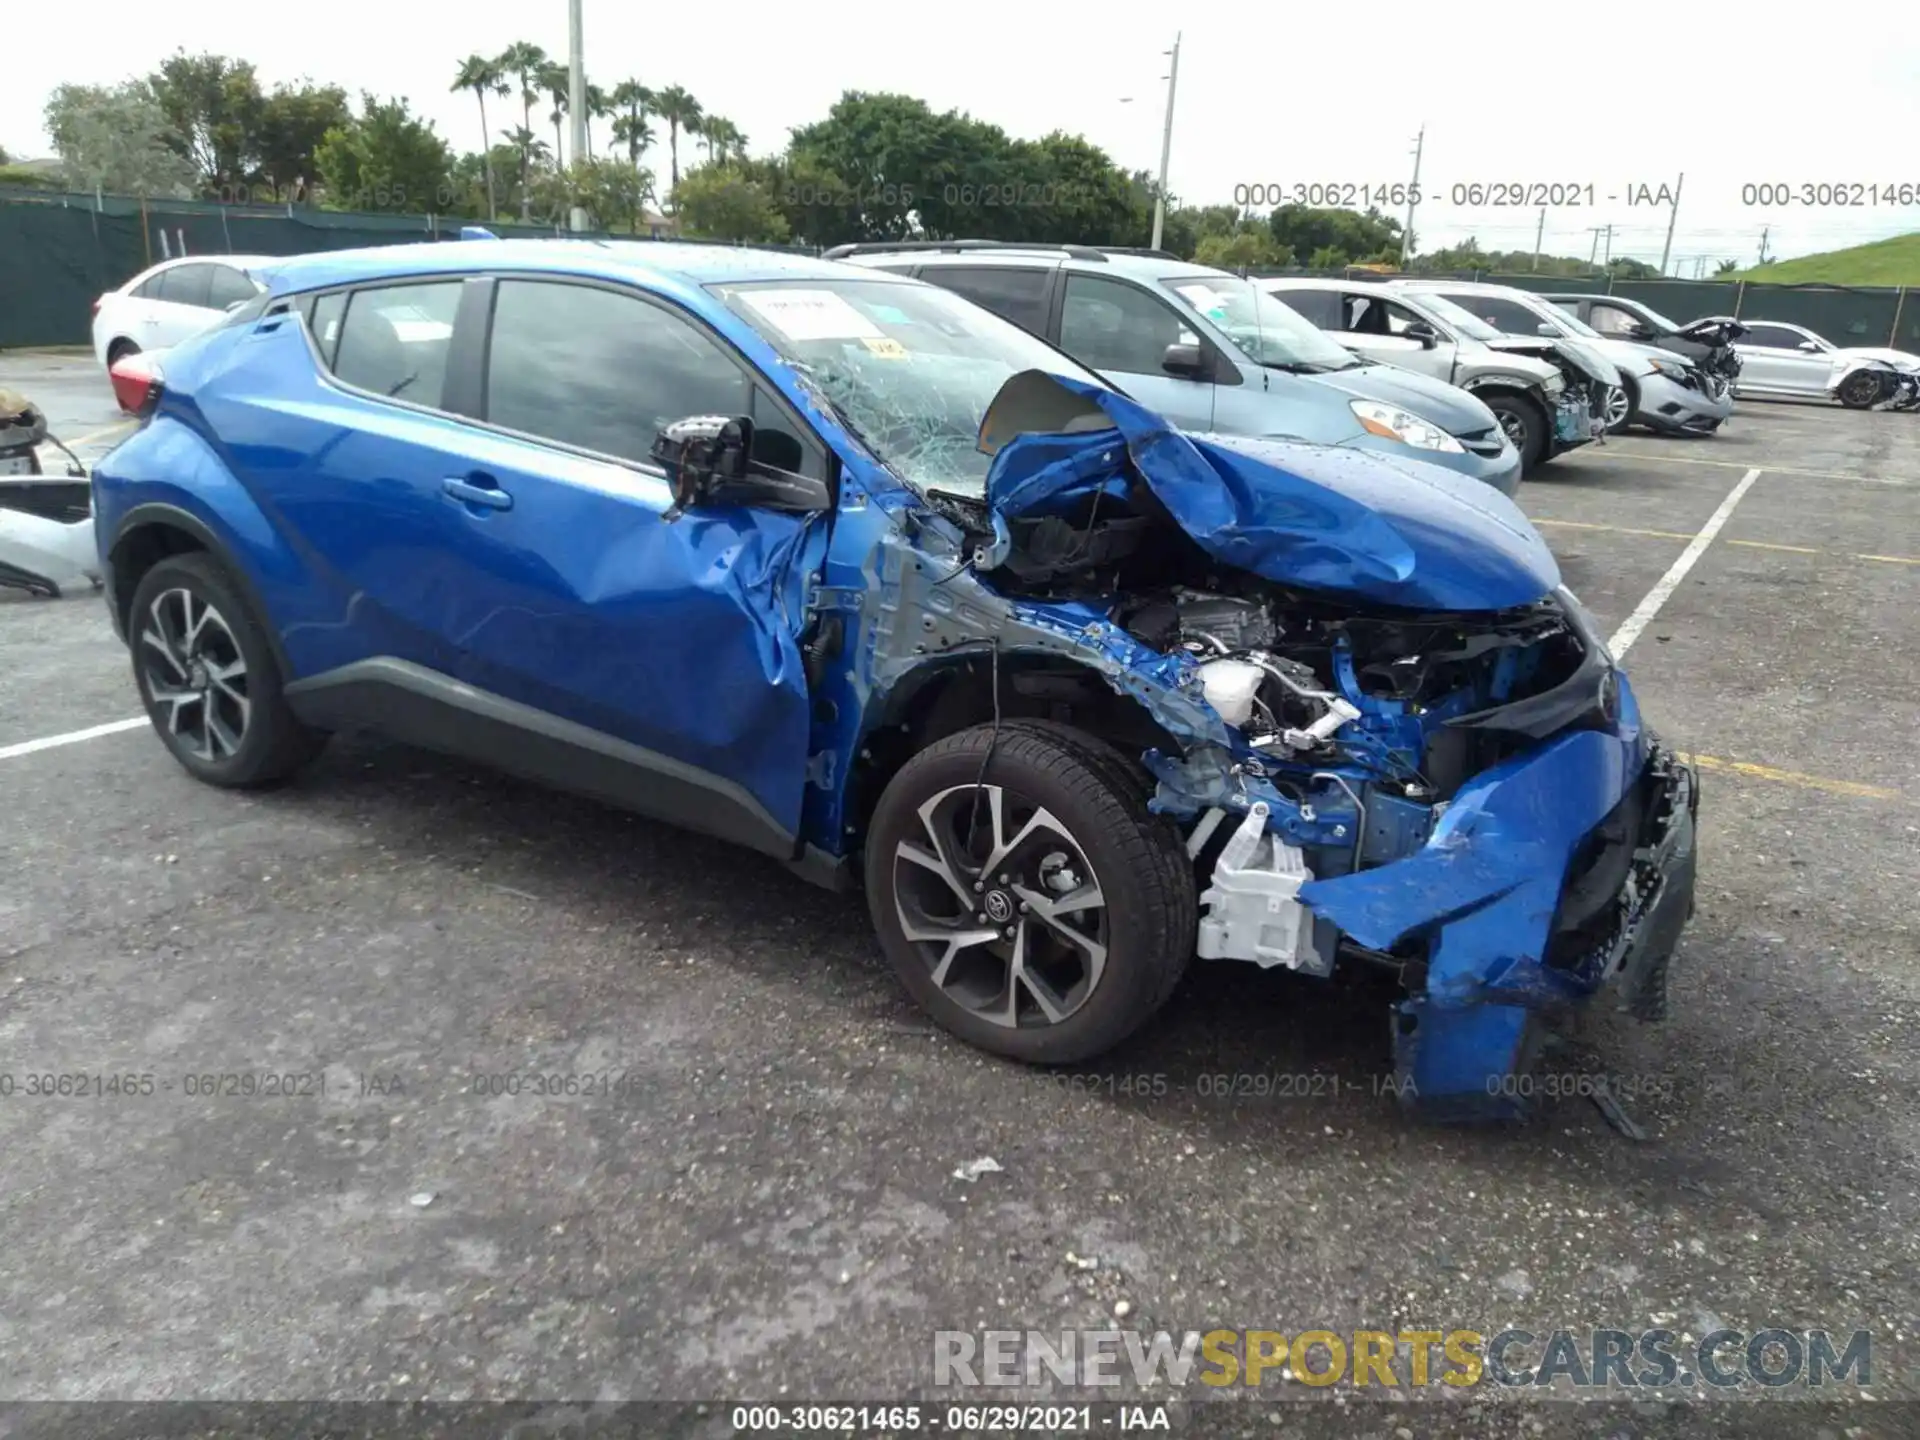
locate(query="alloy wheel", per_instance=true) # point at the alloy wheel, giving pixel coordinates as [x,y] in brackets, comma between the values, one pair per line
[1619,406]
[193,667]
[1514,425]
[999,899]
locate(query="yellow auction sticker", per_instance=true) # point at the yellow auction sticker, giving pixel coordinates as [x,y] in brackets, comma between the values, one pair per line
[884,346]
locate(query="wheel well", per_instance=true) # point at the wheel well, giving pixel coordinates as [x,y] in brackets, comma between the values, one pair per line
[118,348]
[1510,392]
[138,551]
[941,699]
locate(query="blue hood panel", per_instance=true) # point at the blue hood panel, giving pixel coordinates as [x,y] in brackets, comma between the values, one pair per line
[1312,516]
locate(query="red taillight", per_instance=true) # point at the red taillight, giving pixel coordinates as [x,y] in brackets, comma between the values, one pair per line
[136,383]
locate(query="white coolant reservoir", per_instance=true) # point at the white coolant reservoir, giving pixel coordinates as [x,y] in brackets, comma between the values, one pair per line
[1230,686]
[1252,909]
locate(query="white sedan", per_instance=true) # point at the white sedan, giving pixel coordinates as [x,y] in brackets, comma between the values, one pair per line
[160,307]
[1791,360]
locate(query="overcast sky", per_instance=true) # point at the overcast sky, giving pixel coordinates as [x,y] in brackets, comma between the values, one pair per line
[1286,94]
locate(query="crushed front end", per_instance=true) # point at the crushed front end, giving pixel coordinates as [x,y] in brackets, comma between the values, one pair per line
[1418,753]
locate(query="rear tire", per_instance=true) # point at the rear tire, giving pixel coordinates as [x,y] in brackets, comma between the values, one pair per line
[208,677]
[1097,892]
[1524,423]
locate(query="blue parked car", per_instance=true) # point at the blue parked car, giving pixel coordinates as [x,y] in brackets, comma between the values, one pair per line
[1211,351]
[846,569]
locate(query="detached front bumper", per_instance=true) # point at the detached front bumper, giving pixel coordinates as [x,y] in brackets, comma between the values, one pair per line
[1669,404]
[1561,873]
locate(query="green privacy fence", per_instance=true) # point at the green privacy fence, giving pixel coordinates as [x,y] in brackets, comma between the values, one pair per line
[58,251]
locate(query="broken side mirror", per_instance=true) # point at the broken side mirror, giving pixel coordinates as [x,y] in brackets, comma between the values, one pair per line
[1189,362]
[720,460]
[1422,332]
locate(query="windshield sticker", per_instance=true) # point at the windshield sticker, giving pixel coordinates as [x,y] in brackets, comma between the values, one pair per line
[890,314]
[811,315]
[885,347]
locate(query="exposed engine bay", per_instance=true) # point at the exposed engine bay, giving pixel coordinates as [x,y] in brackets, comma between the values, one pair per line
[46,522]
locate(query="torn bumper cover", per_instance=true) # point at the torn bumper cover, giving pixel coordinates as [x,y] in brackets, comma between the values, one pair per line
[1564,871]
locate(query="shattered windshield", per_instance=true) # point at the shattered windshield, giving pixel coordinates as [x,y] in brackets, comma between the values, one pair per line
[1265,330]
[910,368]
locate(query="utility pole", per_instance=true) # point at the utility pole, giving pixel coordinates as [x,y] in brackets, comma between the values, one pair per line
[1609,259]
[1413,196]
[1593,253]
[1539,233]
[1166,144]
[1671,219]
[1763,243]
[577,97]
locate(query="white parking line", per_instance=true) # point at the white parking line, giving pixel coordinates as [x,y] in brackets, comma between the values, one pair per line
[72,737]
[1644,612]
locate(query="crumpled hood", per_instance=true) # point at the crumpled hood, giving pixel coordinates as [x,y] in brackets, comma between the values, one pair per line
[1712,330]
[1317,517]
[1900,359]
[1586,360]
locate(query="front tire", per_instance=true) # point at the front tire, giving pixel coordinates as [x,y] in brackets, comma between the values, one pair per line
[1523,423]
[1861,390]
[1024,894]
[208,677]
[1622,405]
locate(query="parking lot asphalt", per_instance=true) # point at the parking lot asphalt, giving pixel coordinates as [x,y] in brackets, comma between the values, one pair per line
[766,1206]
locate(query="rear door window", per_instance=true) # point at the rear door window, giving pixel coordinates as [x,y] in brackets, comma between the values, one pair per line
[228,285]
[1011,292]
[394,340]
[1322,307]
[187,285]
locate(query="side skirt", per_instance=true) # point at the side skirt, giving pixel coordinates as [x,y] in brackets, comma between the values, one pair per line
[423,707]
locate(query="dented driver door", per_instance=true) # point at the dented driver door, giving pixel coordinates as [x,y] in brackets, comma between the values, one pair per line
[674,641]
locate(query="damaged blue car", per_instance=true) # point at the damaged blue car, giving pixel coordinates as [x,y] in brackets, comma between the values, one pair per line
[838,566]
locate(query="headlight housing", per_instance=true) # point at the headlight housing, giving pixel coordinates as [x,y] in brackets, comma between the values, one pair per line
[1390,421]
[1676,368]
[1572,602]
[1555,385]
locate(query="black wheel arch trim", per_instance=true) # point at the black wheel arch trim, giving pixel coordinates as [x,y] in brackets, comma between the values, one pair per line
[423,707]
[157,512]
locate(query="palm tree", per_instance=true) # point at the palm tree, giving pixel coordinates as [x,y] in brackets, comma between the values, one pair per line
[722,137]
[631,129]
[481,75]
[557,81]
[524,61]
[599,107]
[681,112]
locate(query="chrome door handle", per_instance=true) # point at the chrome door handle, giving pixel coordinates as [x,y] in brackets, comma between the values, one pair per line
[468,493]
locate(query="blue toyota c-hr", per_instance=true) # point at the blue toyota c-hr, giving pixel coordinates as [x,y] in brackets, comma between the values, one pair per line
[838,566]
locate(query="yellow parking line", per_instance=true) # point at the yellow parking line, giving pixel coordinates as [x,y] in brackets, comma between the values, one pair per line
[1750,544]
[99,434]
[1793,777]
[1742,465]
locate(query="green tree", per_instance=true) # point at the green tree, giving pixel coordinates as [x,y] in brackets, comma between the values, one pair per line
[470,194]
[682,113]
[1726,267]
[483,77]
[1350,235]
[117,138]
[721,137]
[904,169]
[293,121]
[387,159]
[729,200]
[524,61]
[213,107]
[1251,248]
[599,107]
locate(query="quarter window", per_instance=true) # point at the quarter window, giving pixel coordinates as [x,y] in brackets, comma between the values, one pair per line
[228,285]
[602,371]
